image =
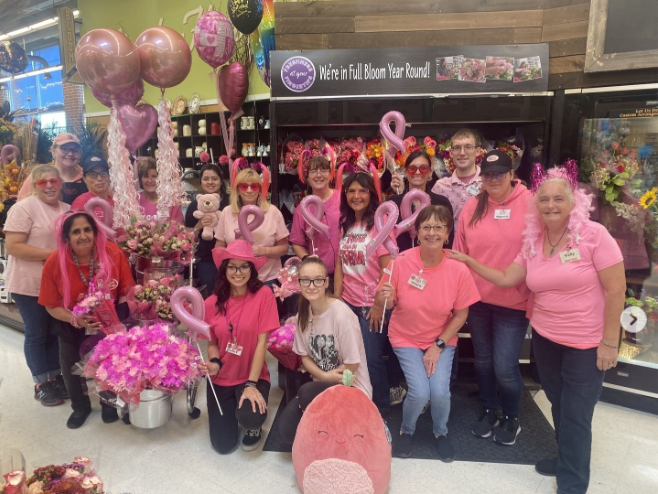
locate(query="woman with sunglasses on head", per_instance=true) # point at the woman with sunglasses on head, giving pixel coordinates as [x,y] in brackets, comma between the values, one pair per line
[271,238]
[356,276]
[97,178]
[241,313]
[323,320]
[491,230]
[66,151]
[30,239]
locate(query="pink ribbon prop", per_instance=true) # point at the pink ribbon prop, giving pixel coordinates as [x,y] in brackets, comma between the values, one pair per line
[396,139]
[314,220]
[196,326]
[9,153]
[409,218]
[104,224]
[246,227]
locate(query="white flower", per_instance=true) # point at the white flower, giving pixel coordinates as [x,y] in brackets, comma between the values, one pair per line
[72,473]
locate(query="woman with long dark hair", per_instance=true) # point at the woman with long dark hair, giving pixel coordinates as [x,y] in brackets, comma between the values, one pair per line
[241,313]
[357,276]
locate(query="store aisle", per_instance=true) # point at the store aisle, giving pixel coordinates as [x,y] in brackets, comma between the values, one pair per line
[177,458]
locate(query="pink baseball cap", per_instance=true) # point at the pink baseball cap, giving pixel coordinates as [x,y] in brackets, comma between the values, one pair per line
[65,138]
[238,249]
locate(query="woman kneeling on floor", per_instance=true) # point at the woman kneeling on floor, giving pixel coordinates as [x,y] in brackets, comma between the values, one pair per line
[241,313]
[431,295]
[328,338]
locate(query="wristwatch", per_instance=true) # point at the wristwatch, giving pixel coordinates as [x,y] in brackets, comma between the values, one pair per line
[440,343]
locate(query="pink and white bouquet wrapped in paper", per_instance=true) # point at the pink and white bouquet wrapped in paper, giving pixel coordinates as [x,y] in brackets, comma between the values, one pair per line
[150,239]
[76,477]
[143,358]
[99,303]
[152,300]
[279,343]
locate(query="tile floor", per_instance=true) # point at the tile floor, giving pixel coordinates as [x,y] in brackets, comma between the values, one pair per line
[178,458]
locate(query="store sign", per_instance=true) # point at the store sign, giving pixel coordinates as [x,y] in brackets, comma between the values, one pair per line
[67,44]
[410,71]
[633,113]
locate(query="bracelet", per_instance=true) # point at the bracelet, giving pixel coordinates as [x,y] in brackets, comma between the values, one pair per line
[250,384]
[74,323]
[215,360]
[616,347]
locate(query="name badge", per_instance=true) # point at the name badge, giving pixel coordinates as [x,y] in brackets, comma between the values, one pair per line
[417,282]
[502,214]
[571,255]
[234,349]
[473,190]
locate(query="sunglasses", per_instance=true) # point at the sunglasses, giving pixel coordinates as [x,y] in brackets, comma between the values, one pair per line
[97,175]
[423,169]
[245,187]
[493,176]
[74,150]
[43,183]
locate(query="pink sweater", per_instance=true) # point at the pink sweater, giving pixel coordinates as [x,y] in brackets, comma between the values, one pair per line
[496,243]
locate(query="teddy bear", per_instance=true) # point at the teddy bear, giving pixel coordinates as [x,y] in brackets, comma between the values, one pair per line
[208,205]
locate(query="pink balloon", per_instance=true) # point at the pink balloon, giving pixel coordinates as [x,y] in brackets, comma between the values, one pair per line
[245,228]
[196,326]
[409,218]
[107,60]
[385,218]
[233,85]
[130,96]
[106,223]
[396,139]
[314,220]
[214,39]
[164,56]
[139,124]
[9,153]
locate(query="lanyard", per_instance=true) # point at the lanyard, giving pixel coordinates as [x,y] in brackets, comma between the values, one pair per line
[228,319]
[91,269]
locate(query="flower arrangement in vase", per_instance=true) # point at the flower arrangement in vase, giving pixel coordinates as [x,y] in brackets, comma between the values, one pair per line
[152,300]
[153,239]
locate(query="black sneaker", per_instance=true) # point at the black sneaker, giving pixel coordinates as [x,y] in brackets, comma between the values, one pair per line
[251,439]
[507,432]
[61,388]
[445,449]
[485,424]
[109,414]
[547,467]
[402,445]
[78,418]
[47,394]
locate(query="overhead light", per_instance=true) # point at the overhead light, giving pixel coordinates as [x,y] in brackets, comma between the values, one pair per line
[47,22]
[3,36]
[18,31]
[35,27]
[33,72]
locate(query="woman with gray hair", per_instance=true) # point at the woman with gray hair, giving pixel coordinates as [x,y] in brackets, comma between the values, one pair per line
[30,239]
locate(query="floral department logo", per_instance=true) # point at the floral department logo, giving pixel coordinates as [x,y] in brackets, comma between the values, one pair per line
[298,74]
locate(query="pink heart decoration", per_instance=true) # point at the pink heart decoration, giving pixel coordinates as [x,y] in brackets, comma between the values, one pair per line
[409,218]
[385,218]
[233,85]
[314,219]
[394,138]
[139,124]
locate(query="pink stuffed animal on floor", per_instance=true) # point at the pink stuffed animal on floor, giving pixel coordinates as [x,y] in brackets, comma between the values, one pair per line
[208,205]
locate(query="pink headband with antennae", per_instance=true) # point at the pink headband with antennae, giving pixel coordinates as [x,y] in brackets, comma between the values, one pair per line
[242,164]
[568,171]
[372,172]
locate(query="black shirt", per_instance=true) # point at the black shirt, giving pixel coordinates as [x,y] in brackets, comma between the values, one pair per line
[205,247]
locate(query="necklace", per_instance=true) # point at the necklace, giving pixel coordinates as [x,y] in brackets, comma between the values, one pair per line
[91,268]
[556,243]
[229,325]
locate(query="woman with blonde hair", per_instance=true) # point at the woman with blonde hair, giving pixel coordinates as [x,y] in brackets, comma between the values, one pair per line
[271,238]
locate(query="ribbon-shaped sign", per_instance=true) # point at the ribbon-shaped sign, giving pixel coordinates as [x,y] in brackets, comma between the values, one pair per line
[104,223]
[245,227]
[409,217]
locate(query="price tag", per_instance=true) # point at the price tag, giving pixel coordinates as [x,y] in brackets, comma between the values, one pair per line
[417,282]
[234,349]
[571,255]
[502,214]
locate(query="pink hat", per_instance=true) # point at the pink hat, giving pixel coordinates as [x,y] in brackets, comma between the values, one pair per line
[65,138]
[238,249]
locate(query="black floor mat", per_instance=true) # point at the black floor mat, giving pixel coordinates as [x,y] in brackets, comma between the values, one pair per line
[535,441]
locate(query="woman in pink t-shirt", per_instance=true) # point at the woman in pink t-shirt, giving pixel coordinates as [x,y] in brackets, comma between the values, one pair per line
[241,313]
[328,338]
[356,276]
[271,238]
[575,270]
[431,295]
[147,172]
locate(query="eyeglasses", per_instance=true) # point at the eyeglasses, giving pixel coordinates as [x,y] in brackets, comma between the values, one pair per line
[245,268]
[423,169]
[43,183]
[97,175]
[74,150]
[359,192]
[319,171]
[245,187]
[438,228]
[468,148]
[317,282]
[493,176]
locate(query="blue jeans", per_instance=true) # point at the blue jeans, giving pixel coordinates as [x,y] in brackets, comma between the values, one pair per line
[497,334]
[373,341]
[40,347]
[435,389]
[573,384]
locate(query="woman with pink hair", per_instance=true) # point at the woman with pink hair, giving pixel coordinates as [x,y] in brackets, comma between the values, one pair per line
[84,259]
[575,270]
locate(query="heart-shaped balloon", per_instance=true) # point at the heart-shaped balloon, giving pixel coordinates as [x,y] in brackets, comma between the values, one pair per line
[105,223]
[314,220]
[196,326]
[139,124]
[409,218]
[246,227]
[233,85]
[9,153]
[385,218]
[396,139]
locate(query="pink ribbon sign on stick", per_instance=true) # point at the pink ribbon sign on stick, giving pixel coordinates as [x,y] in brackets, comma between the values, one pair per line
[396,139]
[9,153]
[314,220]
[104,223]
[196,326]
[385,218]
[409,218]
[245,226]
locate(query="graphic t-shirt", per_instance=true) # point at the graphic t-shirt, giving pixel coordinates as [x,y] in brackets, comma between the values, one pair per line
[151,210]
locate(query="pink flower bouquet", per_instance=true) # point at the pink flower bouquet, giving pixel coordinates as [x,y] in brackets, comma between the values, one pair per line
[151,239]
[76,477]
[279,343]
[152,300]
[99,303]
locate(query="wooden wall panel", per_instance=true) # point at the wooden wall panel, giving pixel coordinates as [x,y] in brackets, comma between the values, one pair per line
[304,41]
[561,65]
[565,31]
[566,47]
[563,15]
[319,25]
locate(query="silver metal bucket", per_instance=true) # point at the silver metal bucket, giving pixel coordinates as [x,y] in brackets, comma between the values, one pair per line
[154,409]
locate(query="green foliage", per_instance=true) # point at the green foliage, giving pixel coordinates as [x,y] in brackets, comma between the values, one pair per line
[91,138]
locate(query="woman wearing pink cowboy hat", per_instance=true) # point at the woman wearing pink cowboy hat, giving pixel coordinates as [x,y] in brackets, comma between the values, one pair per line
[241,312]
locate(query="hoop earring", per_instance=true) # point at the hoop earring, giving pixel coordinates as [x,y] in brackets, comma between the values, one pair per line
[446,242]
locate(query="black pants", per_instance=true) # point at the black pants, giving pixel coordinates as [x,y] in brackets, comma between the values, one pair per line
[70,340]
[224,428]
[294,410]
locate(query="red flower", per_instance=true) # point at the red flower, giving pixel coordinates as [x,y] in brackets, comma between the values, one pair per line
[620,168]
[615,145]
[624,151]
